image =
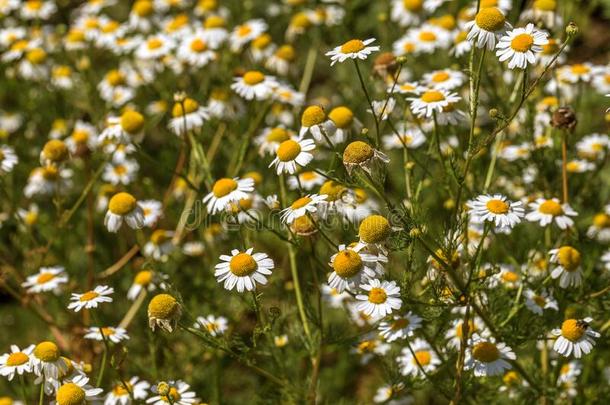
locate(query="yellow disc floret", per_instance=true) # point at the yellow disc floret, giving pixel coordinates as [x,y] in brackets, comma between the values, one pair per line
[223,187]
[497,207]
[288,150]
[188,106]
[551,207]
[55,151]
[341,116]
[46,351]
[357,152]
[485,352]
[347,263]
[569,258]
[132,122]
[374,229]
[70,394]
[122,203]
[242,264]
[313,115]
[17,359]
[163,306]
[522,42]
[573,329]
[253,77]
[490,19]
[377,295]
[352,46]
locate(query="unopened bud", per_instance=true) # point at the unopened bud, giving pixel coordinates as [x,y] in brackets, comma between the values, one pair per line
[493,113]
[572,29]
[163,388]
[401,59]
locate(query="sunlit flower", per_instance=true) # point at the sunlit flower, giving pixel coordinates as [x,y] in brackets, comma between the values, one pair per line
[520,46]
[489,24]
[187,116]
[399,326]
[352,49]
[488,358]
[352,266]
[16,362]
[115,335]
[164,312]
[568,268]
[254,85]
[215,325]
[380,298]
[226,191]
[497,209]
[47,279]
[121,392]
[537,303]
[178,393]
[302,206]
[91,299]
[243,270]
[292,154]
[432,101]
[575,337]
[423,358]
[123,207]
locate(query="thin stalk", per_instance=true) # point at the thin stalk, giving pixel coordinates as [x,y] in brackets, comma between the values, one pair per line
[368,99]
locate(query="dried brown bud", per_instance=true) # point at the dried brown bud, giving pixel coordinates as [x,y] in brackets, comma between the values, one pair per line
[385,63]
[564,118]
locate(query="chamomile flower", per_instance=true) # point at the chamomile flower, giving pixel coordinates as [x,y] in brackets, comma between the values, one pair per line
[381,298]
[361,154]
[291,154]
[487,357]
[254,85]
[187,116]
[461,45]
[407,12]
[497,209]
[399,327]
[54,152]
[579,72]
[432,101]
[164,312]
[600,228]
[520,46]
[568,270]
[8,159]
[270,139]
[353,265]
[120,393]
[315,121]
[91,299]
[115,335]
[152,211]
[243,270]
[18,361]
[408,136]
[489,24]
[374,230]
[215,325]
[344,122]
[160,245]
[537,303]
[76,391]
[548,211]
[281,60]
[352,49]
[302,206]
[455,334]
[123,207]
[124,172]
[575,337]
[444,79]
[83,138]
[195,51]
[155,47]
[145,280]
[593,147]
[47,361]
[246,32]
[47,279]
[178,393]
[428,38]
[422,357]
[226,191]
[37,9]
[122,129]
[579,166]
[307,180]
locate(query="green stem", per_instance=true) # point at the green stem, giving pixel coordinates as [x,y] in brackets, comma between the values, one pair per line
[368,99]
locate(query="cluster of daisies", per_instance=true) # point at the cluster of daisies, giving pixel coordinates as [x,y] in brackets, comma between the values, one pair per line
[338,154]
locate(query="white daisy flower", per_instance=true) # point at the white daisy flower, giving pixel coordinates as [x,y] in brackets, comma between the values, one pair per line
[497,209]
[47,361]
[145,280]
[47,279]
[226,191]
[120,393]
[520,46]
[546,211]
[243,270]
[407,12]
[187,116]
[444,79]
[425,358]
[154,47]
[383,108]
[428,38]
[593,146]
[431,101]
[124,172]
[115,335]
[344,123]
[90,299]
[352,265]
[537,303]
[352,49]
[123,207]
[488,358]
[8,159]
[246,32]
[399,327]
[76,390]
[381,299]
[315,121]
[455,334]
[579,72]
[489,24]
[579,166]
[48,180]
[575,337]
[270,139]
[461,45]
[410,136]
[291,154]
[16,362]
[254,85]
[215,325]
[302,206]
[152,211]
[160,245]
[568,268]
[82,138]
[195,51]
[306,180]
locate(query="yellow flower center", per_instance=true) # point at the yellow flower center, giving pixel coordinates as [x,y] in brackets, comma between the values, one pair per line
[132,122]
[80,136]
[17,359]
[377,295]
[490,19]
[522,42]
[143,7]
[223,187]
[539,300]
[36,56]
[313,115]
[188,106]
[70,394]
[47,351]
[214,21]
[277,135]
[108,331]
[347,263]
[44,277]
[286,52]
[489,3]
[50,173]
[569,258]
[244,30]
[400,324]
[459,330]
[308,176]
[253,77]
[550,48]
[243,264]
[485,352]
[601,220]
[198,45]
[262,41]
[357,152]
[303,225]
[120,170]
[550,207]
[159,236]
[300,20]
[341,116]
[580,69]
[432,96]
[413,5]
[422,357]
[55,151]
[332,189]
[288,150]
[110,27]
[352,46]
[440,77]
[154,43]
[163,306]
[143,278]
[573,329]
[119,389]
[122,203]
[300,203]
[88,296]
[173,394]
[510,276]
[497,207]
[545,5]
[510,378]
[427,36]
[374,229]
